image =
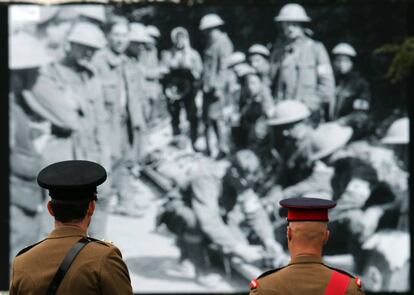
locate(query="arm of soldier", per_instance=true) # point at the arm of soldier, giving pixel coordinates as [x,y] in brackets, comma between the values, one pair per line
[53,104]
[361,105]
[354,287]
[326,80]
[135,86]
[267,101]
[259,221]
[257,217]
[206,208]
[255,291]
[365,91]
[12,288]
[166,58]
[114,275]
[315,183]
[197,64]
[17,277]
[224,51]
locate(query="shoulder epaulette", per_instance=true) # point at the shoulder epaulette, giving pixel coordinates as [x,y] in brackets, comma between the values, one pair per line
[102,242]
[266,273]
[24,250]
[340,270]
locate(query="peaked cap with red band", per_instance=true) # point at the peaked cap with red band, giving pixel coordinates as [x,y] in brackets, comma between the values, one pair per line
[307,209]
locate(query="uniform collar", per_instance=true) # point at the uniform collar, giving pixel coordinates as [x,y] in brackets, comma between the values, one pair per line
[296,43]
[66,231]
[308,258]
[114,59]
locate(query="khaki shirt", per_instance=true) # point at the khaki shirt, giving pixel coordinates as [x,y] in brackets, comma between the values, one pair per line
[98,268]
[303,275]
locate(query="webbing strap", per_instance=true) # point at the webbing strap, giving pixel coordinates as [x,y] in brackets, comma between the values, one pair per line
[337,284]
[64,266]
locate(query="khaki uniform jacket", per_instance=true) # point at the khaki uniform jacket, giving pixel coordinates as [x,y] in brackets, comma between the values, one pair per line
[302,71]
[98,268]
[214,68]
[135,74]
[303,275]
[72,101]
[110,69]
[24,160]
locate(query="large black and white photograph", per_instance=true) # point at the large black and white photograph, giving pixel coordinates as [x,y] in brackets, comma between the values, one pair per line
[205,117]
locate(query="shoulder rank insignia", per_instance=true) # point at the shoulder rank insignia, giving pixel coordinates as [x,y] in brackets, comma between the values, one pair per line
[271,271]
[358,282]
[102,242]
[254,284]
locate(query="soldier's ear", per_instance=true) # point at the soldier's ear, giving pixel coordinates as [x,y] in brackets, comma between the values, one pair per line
[50,209]
[91,208]
[289,233]
[327,233]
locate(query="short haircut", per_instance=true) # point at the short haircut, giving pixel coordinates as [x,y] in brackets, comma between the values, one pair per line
[66,211]
[309,232]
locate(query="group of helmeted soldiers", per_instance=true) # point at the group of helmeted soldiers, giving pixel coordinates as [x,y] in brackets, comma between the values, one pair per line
[87,86]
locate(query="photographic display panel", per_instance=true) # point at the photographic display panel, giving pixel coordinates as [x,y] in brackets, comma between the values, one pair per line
[205,117]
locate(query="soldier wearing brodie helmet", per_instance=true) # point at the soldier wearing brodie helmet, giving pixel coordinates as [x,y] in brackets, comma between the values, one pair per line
[67,261]
[300,66]
[306,274]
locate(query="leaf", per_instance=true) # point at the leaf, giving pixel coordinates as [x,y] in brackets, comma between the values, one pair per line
[403,59]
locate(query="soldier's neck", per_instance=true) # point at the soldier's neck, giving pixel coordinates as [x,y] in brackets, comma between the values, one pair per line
[83,225]
[305,251]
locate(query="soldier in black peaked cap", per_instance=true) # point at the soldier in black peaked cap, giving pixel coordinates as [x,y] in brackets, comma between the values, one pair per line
[67,261]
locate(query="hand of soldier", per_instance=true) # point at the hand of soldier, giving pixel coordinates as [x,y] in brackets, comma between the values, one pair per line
[227,112]
[247,253]
[371,218]
[260,128]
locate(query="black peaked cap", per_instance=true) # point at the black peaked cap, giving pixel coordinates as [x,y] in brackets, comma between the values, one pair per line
[72,180]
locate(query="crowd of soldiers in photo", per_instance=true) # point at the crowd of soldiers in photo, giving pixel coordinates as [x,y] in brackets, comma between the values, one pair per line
[293,120]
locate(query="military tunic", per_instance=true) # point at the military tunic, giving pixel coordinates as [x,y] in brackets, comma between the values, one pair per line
[214,83]
[25,194]
[71,99]
[109,67]
[302,71]
[303,275]
[98,268]
[352,95]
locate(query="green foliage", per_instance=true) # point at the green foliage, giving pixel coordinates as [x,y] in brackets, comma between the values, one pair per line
[403,59]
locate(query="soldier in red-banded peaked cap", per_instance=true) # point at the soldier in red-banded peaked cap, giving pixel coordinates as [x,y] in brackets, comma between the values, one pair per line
[306,273]
[307,209]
